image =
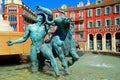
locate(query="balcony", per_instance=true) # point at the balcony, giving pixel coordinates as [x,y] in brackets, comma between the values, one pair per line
[104,29]
[78,30]
[77,19]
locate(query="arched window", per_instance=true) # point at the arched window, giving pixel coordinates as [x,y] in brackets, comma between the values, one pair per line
[108,41]
[99,42]
[91,42]
[117,8]
[12,18]
[117,37]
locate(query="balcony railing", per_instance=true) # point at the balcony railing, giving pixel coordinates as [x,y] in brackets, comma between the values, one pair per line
[78,30]
[77,19]
[105,28]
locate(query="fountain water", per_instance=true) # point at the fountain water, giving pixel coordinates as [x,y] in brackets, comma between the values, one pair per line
[89,67]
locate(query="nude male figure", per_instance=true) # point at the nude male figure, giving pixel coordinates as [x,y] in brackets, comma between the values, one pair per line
[37,33]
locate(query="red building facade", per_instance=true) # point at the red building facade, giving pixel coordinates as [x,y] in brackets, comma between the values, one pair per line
[96,26]
[19,14]
[103,27]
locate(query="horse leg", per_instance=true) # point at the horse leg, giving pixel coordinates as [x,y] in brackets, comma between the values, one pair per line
[61,56]
[74,56]
[64,63]
[58,47]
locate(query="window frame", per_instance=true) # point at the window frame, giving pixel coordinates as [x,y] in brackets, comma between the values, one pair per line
[12,18]
[81,14]
[81,33]
[81,25]
[12,9]
[115,10]
[97,23]
[88,24]
[89,13]
[72,15]
[115,23]
[105,9]
[106,22]
[56,15]
[72,26]
[98,13]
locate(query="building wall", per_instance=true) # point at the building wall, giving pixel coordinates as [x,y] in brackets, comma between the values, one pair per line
[15,8]
[103,29]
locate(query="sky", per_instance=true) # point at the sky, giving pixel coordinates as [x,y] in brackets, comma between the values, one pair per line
[53,3]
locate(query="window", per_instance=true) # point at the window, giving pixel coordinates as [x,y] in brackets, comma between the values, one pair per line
[90,24]
[56,15]
[12,18]
[98,12]
[72,26]
[117,21]
[107,10]
[12,9]
[107,22]
[73,35]
[81,14]
[81,27]
[72,15]
[99,1]
[98,23]
[13,25]
[117,8]
[89,13]
[81,35]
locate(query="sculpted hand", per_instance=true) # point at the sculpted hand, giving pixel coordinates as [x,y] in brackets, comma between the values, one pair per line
[10,43]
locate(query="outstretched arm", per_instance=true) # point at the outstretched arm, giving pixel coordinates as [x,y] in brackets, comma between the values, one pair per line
[20,40]
[45,10]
